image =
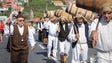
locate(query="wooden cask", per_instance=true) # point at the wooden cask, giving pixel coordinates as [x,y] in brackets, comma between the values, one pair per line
[93,5]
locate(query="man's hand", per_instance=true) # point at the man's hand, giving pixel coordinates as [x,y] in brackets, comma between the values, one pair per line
[32,47]
[93,43]
[94,36]
[58,30]
[77,36]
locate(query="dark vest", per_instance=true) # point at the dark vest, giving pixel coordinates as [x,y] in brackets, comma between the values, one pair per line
[86,33]
[63,34]
[19,42]
[86,29]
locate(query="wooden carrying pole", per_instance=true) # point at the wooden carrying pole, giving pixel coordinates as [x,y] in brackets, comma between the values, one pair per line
[75,28]
[93,41]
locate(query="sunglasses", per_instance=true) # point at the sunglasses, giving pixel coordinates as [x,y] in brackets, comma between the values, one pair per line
[21,20]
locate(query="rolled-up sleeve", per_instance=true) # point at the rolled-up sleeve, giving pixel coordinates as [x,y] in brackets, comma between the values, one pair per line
[31,37]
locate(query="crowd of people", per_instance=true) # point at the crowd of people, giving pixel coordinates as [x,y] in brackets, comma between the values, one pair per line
[78,33]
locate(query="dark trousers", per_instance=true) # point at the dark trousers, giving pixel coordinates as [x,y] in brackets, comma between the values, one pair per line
[40,35]
[20,56]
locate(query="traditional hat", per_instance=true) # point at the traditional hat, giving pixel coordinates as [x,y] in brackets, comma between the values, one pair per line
[106,7]
[19,16]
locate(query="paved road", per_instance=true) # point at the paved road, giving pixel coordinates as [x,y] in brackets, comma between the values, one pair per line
[38,55]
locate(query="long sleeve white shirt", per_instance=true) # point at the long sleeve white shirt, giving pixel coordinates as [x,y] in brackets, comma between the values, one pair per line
[30,34]
[52,28]
[33,29]
[6,30]
[82,37]
[104,42]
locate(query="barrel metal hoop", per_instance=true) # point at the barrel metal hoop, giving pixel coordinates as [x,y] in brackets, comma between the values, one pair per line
[76,11]
[85,13]
[60,13]
[70,8]
[57,13]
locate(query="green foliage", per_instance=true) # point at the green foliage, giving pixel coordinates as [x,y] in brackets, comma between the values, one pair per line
[5,13]
[39,7]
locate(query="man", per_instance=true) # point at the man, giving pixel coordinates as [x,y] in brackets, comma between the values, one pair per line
[80,37]
[32,27]
[64,44]
[40,28]
[20,35]
[52,27]
[45,30]
[101,35]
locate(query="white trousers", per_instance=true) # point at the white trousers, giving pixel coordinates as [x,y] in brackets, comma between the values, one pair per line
[52,40]
[104,57]
[78,55]
[64,47]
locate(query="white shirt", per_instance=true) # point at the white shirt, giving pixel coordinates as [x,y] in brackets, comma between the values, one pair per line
[64,27]
[6,30]
[52,28]
[30,34]
[104,42]
[71,35]
[33,29]
[82,37]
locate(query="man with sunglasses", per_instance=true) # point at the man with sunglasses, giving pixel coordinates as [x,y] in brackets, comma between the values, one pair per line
[20,34]
[101,35]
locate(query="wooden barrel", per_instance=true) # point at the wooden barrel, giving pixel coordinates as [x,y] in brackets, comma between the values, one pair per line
[74,10]
[93,5]
[71,8]
[89,15]
[59,12]
[49,13]
[68,17]
[62,13]
[81,11]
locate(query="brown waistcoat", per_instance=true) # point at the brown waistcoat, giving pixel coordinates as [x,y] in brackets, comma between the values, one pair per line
[19,42]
